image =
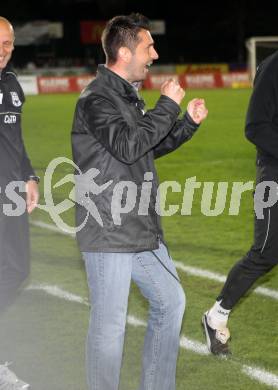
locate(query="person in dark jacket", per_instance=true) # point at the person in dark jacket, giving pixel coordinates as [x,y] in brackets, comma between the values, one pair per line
[15,167]
[115,141]
[262,130]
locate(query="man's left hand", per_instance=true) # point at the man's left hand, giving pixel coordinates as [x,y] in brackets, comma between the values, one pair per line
[32,195]
[197,110]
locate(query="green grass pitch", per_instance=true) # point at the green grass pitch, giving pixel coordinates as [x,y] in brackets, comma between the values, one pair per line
[44,336]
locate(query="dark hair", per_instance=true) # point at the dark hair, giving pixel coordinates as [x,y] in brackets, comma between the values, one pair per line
[122,31]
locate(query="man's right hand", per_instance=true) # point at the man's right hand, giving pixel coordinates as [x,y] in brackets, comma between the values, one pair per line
[173,90]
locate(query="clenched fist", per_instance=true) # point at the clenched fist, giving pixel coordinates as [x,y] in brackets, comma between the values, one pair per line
[173,90]
[197,110]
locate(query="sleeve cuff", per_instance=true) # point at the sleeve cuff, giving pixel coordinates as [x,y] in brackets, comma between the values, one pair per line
[190,121]
[171,103]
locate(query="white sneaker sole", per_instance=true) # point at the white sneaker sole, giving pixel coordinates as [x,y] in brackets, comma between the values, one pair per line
[206,331]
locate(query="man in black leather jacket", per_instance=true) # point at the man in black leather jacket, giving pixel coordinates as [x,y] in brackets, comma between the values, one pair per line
[121,238]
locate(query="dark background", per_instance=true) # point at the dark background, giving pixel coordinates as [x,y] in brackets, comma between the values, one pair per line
[195,32]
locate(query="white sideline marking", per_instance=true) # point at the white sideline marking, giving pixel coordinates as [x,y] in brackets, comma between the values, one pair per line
[261,375]
[199,272]
[53,228]
[58,292]
[135,321]
[268,292]
[256,373]
[194,346]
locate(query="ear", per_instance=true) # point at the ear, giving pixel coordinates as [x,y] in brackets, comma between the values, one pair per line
[125,54]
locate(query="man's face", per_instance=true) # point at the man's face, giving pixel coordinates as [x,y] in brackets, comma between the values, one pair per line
[143,56]
[6,43]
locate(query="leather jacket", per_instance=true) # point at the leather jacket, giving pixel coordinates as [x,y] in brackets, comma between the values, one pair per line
[116,142]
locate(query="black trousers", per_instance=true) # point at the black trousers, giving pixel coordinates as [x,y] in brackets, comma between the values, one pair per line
[262,256]
[14,254]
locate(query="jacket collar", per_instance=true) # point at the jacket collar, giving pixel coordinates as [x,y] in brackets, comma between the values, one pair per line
[123,87]
[8,69]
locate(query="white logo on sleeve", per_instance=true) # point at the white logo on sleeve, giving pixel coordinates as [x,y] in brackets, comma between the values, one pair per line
[10,119]
[15,99]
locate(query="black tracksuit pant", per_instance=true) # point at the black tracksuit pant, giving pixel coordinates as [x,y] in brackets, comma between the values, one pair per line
[262,256]
[14,254]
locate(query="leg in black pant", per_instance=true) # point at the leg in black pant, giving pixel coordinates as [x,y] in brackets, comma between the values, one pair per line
[14,257]
[261,258]
[243,275]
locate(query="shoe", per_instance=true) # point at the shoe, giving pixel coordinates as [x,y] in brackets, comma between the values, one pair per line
[217,339]
[9,381]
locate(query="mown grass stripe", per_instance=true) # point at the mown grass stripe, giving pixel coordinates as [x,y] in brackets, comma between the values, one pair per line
[194,271]
[254,373]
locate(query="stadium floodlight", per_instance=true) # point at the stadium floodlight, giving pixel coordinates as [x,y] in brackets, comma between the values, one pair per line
[258,49]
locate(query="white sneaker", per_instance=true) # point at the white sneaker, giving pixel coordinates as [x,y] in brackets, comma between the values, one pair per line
[217,339]
[9,381]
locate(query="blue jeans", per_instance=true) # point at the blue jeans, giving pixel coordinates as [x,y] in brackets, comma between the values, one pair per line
[109,276]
